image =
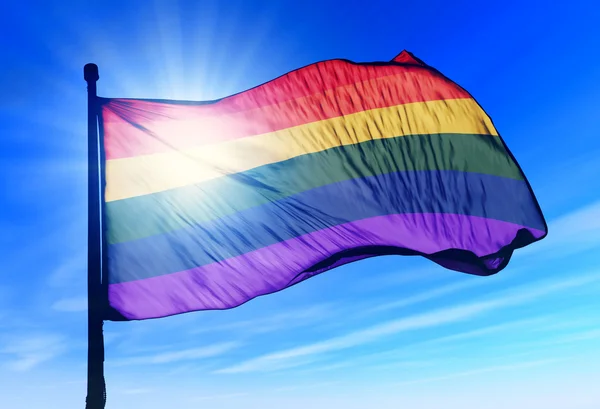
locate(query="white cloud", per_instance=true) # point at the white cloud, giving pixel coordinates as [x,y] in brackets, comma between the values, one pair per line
[579,336]
[368,335]
[218,397]
[287,319]
[399,277]
[373,362]
[304,386]
[74,269]
[27,351]
[74,304]
[574,337]
[431,294]
[110,337]
[487,330]
[136,391]
[177,356]
[395,358]
[420,321]
[399,364]
[332,367]
[497,368]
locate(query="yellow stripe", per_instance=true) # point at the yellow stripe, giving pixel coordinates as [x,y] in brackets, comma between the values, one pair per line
[141,175]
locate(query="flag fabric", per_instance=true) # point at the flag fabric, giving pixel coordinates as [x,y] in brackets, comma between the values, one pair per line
[210,204]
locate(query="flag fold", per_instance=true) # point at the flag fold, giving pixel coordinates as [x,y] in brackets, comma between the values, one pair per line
[210,204]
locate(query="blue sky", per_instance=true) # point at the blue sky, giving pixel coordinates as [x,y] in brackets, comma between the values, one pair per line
[383,333]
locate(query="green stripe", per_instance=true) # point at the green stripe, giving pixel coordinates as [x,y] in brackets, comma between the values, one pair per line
[143,216]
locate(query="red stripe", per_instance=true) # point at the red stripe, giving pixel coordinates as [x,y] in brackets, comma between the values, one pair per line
[317,92]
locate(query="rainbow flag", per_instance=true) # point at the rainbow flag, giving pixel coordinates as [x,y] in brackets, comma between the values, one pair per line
[210,204]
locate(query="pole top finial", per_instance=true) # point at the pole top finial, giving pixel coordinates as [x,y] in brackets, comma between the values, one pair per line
[90,73]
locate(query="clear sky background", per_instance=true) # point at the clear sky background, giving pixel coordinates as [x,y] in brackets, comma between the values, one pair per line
[383,333]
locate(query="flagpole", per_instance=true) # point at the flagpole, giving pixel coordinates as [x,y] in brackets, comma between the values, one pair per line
[96,397]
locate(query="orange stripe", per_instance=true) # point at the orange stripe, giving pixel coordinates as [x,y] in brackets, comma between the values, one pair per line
[315,93]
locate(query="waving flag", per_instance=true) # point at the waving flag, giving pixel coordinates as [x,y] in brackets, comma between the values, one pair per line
[210,204]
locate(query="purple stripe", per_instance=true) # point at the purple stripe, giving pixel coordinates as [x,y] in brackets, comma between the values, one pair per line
[231,282]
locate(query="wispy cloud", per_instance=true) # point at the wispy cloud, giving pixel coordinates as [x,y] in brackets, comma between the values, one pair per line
[420,321]
[399,277]
[571,322]
[72,269]
[332,367]
[218,397]
[436,318]
[396,358]
[579,336]
[398,365]
[287,319]
[65,384]
[372,362]
[308,386]
[430,295]
[177,356]
[110,337]
[491,329]
[554,340]
[136,391]
[74,304]
[27,351]
[403,357]
[497,368]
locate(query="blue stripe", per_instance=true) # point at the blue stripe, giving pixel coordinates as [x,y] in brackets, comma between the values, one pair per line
[453,192]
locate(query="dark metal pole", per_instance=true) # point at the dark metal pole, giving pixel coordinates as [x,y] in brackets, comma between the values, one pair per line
[95,375]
